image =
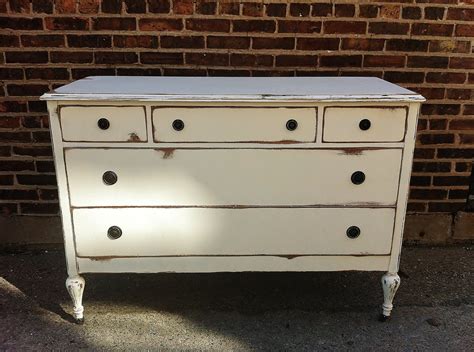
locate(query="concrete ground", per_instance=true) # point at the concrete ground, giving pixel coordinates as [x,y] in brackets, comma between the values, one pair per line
[240,311]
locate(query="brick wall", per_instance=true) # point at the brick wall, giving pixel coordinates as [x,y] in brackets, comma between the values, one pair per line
[420,44]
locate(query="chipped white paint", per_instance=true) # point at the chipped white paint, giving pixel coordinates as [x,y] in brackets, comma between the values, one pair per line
[390,284]
[234,190]
[75,286]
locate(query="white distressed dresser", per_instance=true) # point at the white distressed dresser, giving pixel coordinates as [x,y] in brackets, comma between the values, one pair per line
[201,174]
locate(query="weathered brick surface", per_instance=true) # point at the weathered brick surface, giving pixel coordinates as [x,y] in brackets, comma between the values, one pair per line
[423,45]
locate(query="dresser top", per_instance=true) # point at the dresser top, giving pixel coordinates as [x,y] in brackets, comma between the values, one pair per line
[232,89]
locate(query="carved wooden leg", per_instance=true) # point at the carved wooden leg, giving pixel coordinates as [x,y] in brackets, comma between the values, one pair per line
[390,284]
[75,286]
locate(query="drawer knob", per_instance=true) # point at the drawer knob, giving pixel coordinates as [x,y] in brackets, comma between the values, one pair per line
[358,177]
[364,124]
[109,178]
[353,232]
[291,125]
[114,232]
[103,123]
[178,125]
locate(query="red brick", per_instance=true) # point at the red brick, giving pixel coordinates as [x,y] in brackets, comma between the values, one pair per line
[71,57]
[344,10]
[318,43]
[9,41]
[345,27]
[407,45]
[388,28]
[462,124]
[206,7]
[411,13]
[135,6]
[208,25]
[10,73]
[465,30]
[37,106]
[275,10]
[183,7]
[446,77]
[462,62]
[161,58]
[111,6]
[47,73]
[273,43]
[440,109]
[135,41]
[341,61]
[48,194]
[89,41]
[228,72]
[33,57]
[251,60]
[438,124]
[135,71]
[428,61]
[42,6]
[160,24]
[434,13]
[299,27]
[461,14]
[44,165]
[20,6]
[416,207]
[384,61]
[321,10]
[66,23]
[296,60]
[9,122]
[89,6]
[428,194]
[18,194]
[42,41]
[17,165]
[6,180]
[424,153]
[31,121]
[254,26]
[456,153]
[159,6]
[466,139]
[450,180]
[427,139]
[114,23]
[445,207]
[228,42]
[299,9]
[252,9]
[184,72]
[450,46]
[458,194]
[434,29]
[362,44]
[430,166]
[12,106]
[207,59]
[229,8]
[65,6]
[21,23]
[193,42]
[458,94]
[39,208]
[24,179]
[404,77]
[463,167]
[468,109]
[420,181]
[111,58]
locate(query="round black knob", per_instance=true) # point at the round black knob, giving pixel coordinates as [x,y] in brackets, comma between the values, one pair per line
[358,177]
[364,124]
[103,123]
[109,178]
[114,232]
[353,232]
[178,125]
[291,125]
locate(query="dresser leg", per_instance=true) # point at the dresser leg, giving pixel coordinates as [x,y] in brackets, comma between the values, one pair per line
[75,286]
[390,284]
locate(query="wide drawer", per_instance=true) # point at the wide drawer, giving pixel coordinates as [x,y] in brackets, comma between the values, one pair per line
[228,177]
[103,123]
[255,231]
[234,124]
[364,124]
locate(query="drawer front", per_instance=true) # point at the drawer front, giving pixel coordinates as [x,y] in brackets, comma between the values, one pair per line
[236,124]
[254,231]
[103,123]
[364,124]
[215,177]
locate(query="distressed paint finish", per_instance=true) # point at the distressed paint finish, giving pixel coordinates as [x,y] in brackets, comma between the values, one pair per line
[390,284]
[233,195]
[75,286]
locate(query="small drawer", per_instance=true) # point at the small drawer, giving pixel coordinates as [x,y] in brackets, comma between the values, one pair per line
[234,124]
[103,123]
[138,232]
[364,124]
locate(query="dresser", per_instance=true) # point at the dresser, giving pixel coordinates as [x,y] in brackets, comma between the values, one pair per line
[226,174]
